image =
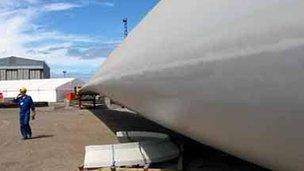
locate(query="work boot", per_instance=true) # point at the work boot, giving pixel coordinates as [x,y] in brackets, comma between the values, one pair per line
[24,138]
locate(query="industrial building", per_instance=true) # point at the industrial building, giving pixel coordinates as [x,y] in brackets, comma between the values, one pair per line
[16,68]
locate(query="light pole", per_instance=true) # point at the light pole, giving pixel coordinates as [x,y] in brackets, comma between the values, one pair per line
[64,73]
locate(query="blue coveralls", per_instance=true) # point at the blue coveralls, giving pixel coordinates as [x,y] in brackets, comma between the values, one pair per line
[26,104]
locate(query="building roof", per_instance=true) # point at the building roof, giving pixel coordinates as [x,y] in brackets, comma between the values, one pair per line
[17,62]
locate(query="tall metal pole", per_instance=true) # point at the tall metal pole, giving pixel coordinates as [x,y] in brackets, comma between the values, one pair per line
[125,21]
[64,73]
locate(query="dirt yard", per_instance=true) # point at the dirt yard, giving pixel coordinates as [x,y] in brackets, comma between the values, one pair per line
[59,138]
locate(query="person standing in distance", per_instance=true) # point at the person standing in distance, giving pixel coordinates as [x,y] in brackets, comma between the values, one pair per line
[26,104]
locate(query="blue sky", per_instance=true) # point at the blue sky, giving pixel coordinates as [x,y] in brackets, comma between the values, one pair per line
[71,35]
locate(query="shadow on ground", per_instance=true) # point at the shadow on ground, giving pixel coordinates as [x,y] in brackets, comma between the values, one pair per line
[196,155]
[42,136]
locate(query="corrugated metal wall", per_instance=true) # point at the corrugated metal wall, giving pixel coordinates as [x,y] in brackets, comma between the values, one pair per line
[46,71]
[21,74]
[2,74]
[35,74]
[11,74]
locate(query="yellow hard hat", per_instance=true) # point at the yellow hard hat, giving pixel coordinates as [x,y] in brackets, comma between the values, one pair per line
[23,90]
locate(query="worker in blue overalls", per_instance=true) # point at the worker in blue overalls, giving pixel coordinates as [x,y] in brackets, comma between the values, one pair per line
[26,104]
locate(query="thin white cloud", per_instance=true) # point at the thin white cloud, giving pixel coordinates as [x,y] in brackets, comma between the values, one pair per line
[109,4]
[60,6]
[54,35]
[17,29]
[21,36]
[13,4]
[11,28]
[98,2]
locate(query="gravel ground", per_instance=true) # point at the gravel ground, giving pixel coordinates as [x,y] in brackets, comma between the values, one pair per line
[59,138]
